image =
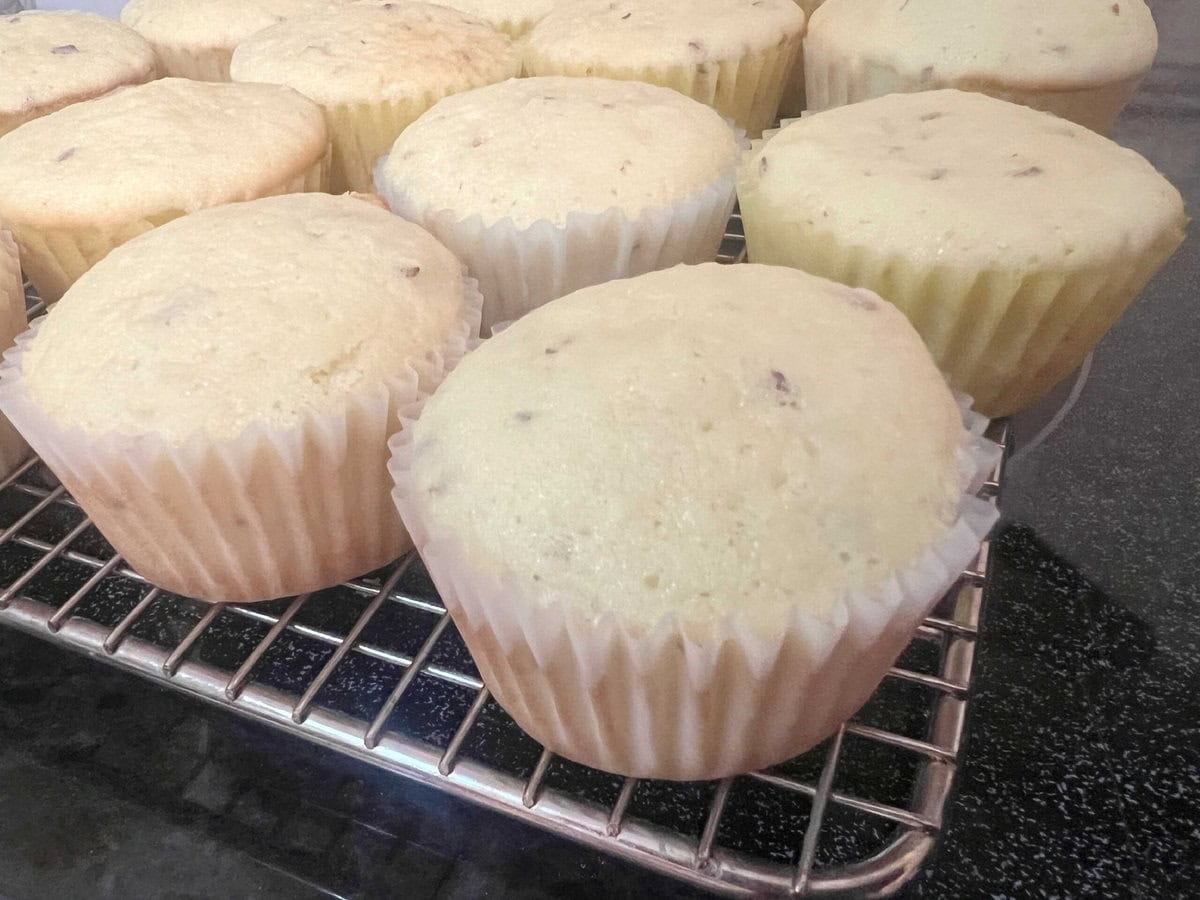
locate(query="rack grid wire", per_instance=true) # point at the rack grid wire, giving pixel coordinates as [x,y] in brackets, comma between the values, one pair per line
[375,669]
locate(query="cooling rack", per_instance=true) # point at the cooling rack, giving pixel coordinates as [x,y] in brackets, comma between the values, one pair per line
[374,669]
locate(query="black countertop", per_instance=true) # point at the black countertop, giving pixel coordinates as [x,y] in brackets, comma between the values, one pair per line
[1082,770]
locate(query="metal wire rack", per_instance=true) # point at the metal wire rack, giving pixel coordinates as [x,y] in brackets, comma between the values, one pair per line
[375,669]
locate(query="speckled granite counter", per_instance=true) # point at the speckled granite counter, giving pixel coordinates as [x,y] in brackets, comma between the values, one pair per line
[1082,771]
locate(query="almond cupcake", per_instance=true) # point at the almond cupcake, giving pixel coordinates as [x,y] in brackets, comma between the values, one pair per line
[733,55]
[83,180]
[196,39]
[992,226]
[545,185]
[686,521]
[218,393]
[374,68]
[1079,59]
[53,59]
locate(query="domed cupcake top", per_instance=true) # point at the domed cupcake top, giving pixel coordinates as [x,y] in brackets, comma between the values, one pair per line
[258,312]
[539,148]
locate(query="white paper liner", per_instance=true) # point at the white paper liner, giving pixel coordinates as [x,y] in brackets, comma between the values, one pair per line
[520,269]
[682,702]
[270,513]
[13,448]
[834,79]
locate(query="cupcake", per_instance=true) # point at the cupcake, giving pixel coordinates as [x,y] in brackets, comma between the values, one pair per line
[374,68]
[792,102]
[49,60]
[992,226]
[545,185]
[83,180]
[13,448]
[218,393]
[514,17]
[733,55]
[1079,59]
[686,521]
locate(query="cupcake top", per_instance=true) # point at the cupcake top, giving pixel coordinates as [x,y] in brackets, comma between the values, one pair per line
[50,59]
[955,178]
[662,33]
[372,50]
[695,441]
[1067,43]
[169,144]
[513,17]
[253,313]
[598,144]
[205,24]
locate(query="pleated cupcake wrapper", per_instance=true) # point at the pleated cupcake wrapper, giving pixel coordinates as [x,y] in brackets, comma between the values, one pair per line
[196,63]
[273,512]
[680,700]
[13,448]
[833,80]
[1004,336]
[364,132]
[746,89]
[520,269]
[793,101]
[55,258]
